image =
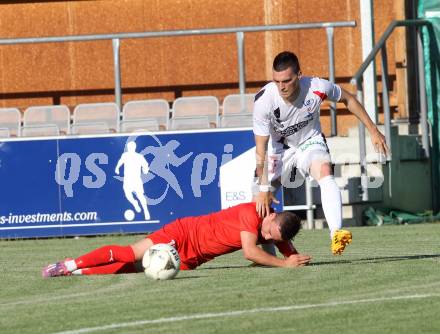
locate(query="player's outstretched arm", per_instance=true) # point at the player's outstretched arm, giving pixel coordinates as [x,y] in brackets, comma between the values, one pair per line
[265,197]
[297,260]
[353,105]
[255,254]
[286,248]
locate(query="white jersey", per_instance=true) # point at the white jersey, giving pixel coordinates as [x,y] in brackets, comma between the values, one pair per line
[288,124]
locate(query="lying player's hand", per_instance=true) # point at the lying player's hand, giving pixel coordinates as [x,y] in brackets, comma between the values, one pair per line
[297,260]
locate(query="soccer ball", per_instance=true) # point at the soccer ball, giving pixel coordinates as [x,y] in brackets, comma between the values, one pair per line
[161,262]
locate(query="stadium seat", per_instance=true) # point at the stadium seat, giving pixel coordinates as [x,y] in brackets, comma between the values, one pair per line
[42,115]
[190,123]
[138,125]
[10,118]
[4,133]
[238,104]
[197,106]
[158,109]
[97,113]
[40,130]
[90,128]
[241,120]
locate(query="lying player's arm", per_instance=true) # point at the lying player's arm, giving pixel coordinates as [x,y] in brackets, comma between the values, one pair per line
[255,254]
[286,248]
[353,105]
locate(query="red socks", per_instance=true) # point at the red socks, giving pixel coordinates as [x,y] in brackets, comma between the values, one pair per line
[107,255]
[113,268]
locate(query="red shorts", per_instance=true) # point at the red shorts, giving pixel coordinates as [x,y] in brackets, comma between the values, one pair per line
[178,235]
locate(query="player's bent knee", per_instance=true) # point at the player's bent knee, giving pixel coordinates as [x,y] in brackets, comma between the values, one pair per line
[326,169]
[320,169]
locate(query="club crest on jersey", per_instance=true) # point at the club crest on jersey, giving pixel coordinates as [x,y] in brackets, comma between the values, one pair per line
[308,105]
[308,102]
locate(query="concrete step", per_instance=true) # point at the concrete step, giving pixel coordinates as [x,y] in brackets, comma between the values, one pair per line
[402,128]
[352,192]
[354,131]
[350,188]
[345,150]
[319,224]
[405,128]
[354,170]
[352,215]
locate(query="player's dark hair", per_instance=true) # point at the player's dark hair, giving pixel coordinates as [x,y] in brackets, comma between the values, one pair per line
[284,60]
[289,224]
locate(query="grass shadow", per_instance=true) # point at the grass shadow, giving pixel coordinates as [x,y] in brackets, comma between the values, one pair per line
[187,277]
[225,267]
[378,259]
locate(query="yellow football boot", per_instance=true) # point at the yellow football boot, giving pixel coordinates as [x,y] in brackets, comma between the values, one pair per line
[340,240]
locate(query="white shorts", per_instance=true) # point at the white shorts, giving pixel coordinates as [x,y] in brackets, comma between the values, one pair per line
[281,165]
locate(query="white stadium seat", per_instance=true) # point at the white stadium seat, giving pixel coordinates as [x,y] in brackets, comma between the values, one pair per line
[238,104]
[40,130]
[190,123]
[107,113]
[43,115]
[89,128]
[197,106]
[138,125]
[158,109]
[236,120]
[10,118]
[4,133]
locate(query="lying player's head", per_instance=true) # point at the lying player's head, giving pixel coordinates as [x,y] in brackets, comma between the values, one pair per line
[280,226]
[289,224]
[286,73]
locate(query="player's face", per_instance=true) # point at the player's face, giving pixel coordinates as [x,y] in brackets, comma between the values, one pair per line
[270,229]
[287,82]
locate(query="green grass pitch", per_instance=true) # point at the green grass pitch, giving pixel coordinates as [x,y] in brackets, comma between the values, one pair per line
[387,281]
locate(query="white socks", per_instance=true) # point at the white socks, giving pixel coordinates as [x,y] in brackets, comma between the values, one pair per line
[331,203]
[70,265]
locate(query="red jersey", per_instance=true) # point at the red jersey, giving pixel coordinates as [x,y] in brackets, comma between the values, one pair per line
[200,239]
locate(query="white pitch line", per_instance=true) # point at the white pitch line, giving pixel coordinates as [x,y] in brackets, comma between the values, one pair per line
[198,316]
[44,300]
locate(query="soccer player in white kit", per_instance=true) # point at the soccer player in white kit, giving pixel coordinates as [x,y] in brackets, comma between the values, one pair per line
[288,135]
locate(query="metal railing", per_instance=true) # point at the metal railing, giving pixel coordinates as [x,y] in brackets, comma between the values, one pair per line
[357,80]
[239,31]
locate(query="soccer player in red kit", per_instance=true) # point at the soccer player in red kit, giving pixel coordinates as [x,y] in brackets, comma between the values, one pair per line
[198,240]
